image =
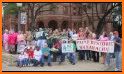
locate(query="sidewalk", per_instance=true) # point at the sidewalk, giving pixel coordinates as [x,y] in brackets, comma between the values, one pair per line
[66,66]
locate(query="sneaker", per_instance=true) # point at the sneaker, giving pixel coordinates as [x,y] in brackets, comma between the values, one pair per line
[49,64]
[73,63]
[42,65]
[116,69]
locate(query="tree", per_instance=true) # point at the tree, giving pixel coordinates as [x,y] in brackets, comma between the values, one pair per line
[35,9]
[117,18]
[102,19]
[10,8]
[107,10]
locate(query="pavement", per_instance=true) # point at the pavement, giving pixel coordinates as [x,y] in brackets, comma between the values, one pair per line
[9,65]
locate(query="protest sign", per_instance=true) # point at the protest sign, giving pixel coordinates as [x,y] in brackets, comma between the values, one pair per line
[94,45]
[67,47]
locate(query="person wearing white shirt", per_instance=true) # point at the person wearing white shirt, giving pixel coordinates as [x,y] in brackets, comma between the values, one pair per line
[37,56]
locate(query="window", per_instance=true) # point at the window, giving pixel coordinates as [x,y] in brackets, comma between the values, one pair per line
[65,10]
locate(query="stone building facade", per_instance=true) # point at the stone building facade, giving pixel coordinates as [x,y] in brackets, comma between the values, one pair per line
[66,15]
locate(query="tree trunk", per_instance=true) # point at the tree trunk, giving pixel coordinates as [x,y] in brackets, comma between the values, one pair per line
[92,21]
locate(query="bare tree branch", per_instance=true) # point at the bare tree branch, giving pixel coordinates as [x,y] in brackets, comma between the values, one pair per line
[85,10]
[97,11]
[100,23]
[92,17]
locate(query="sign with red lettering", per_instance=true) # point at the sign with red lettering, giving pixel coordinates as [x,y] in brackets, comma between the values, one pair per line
[94,45]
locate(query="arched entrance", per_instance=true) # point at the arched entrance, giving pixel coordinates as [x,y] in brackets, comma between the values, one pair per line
[40,24]
[53,24]
[64,25]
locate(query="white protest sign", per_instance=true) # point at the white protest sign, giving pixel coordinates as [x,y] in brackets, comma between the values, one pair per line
[66,48]
[94,45]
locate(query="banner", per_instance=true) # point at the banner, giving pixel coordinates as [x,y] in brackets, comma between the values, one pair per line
[66,48]
[23,18]
[94,45]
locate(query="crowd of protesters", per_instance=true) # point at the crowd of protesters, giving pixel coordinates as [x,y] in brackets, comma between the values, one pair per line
[45,45]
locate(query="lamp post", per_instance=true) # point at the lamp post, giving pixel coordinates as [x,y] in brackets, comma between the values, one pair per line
[19,5]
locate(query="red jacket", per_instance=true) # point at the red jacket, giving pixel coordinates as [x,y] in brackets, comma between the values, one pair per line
[31,54]
[57,45]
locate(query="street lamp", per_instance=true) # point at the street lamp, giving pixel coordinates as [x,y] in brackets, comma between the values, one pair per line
[19,5]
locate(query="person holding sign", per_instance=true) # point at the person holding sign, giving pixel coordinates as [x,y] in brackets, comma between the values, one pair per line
[81,37]
[72,55]
[109,56]
[95,54]
[117,51]
[61,53]
[103,37]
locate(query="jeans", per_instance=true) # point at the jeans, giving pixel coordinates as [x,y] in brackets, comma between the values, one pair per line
[19,62]
[26,61]
[23,62]
[72,57]
[45,58]
[62,57]
[118,60]
[109,56]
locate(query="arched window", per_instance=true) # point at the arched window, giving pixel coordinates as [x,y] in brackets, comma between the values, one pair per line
[53,24]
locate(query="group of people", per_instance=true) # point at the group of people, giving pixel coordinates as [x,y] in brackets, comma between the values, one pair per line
[35,48]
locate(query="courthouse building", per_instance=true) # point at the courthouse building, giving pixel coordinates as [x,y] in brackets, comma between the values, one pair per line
[65,15]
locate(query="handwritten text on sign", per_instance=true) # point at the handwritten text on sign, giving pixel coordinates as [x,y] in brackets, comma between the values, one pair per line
[67,47]
[94,45]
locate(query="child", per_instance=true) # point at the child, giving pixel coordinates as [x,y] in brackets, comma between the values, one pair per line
[37,56]
[45,55]
[30,53]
